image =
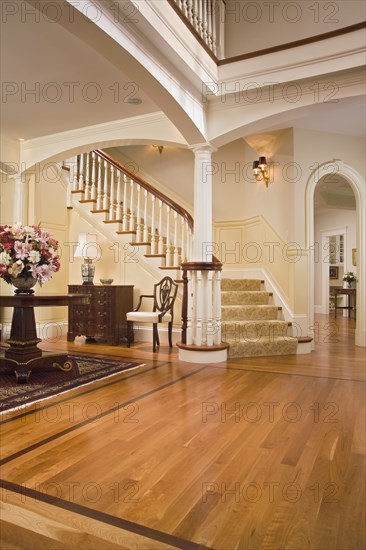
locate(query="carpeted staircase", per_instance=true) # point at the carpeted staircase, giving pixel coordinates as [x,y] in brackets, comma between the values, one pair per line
[250,323]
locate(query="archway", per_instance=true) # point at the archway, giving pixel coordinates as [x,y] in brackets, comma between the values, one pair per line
[357,184]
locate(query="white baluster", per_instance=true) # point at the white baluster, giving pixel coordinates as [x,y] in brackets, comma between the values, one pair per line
[199,308]
[209,23]
[75,184]
[105,187]
[81,172]
[189,238]
[217,307]
[132,215]
[160,229]
[124,224]
[190,10]
[153,236]
[195,14]
[200,19]
[138,216]
[168,254]
[93,191]
[112,204]
[191,293]
[145,236]
[119,197]
[209,309]
[183,241]
[176,261]
[214,31]
[69,190]
[87,194]
[99,190]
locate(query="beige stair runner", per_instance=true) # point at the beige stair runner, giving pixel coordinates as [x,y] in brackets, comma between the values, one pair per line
[250,322]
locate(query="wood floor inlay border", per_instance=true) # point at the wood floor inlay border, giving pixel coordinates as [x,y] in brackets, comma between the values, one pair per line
[108,519]
[244,368]
[90,420]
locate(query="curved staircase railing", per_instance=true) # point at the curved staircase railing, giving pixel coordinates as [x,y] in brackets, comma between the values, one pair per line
[133,205]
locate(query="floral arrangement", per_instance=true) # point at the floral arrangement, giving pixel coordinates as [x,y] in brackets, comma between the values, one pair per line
[27,251]
[349,277]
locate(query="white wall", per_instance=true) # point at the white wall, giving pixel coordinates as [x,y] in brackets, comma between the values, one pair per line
[313,149]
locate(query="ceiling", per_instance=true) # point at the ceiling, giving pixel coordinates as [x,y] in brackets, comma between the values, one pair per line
[55,81]
[333,192]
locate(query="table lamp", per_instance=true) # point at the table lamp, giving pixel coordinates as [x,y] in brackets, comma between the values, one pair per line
[88,249]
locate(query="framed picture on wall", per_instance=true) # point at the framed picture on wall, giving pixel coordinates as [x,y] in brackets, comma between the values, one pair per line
[333,272]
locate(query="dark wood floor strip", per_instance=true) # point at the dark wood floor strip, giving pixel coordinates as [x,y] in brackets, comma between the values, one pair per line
[273,370]
[108,519]
[100,415]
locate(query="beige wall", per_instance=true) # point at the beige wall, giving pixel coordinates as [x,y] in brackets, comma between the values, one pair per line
[251,26]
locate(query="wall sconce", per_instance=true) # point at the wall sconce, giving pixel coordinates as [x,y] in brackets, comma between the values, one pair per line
[88,249]
[260,170]
[159,148]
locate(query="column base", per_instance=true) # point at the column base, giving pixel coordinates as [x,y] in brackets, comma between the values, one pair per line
[191,353]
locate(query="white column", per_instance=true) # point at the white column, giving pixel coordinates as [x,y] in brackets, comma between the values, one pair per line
[203,170]
[20,210]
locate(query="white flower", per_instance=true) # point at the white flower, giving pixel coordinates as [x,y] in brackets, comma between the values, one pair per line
[5,258]
[34,256]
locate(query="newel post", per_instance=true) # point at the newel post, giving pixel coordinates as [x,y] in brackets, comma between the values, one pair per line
[201,307]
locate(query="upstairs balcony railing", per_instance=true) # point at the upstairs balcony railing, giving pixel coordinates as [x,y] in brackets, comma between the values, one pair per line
[205,18]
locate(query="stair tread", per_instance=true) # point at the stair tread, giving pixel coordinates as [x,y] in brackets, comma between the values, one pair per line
[238,292]
[257,322]
[263,338]
[237,306]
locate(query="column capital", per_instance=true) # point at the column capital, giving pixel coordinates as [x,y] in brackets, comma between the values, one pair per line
[203,148]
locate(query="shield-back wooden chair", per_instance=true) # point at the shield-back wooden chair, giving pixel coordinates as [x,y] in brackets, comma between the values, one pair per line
[165,293]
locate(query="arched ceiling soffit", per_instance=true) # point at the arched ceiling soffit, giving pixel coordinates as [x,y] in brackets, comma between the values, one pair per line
[344,116]
[182,108]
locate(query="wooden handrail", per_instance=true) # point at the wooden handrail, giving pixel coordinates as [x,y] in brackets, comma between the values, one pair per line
[164,198]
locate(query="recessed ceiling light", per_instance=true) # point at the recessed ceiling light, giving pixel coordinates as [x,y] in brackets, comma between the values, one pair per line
[134,100]
[21,139]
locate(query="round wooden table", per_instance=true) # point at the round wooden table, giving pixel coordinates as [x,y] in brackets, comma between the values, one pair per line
[23,355]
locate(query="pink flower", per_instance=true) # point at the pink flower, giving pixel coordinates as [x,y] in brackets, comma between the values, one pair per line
[43,273]
[22,250]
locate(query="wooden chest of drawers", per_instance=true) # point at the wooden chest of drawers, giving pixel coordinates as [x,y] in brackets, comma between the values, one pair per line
[105,316]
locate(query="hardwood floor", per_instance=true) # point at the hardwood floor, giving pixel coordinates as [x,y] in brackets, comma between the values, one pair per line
[261,453]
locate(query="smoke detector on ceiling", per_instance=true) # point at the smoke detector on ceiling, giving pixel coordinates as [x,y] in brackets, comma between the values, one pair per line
[134,100]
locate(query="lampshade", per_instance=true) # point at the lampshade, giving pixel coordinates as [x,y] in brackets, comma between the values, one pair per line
[87,246]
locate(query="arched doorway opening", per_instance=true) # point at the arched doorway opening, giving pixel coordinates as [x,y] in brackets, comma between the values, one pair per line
[357,183]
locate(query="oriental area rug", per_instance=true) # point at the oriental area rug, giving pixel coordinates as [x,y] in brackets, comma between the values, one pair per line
[44,384]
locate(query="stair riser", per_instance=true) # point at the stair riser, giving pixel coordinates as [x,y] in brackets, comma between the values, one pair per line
[245,298]
[244,313]
[253,332]
[263,348]
[241,284]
